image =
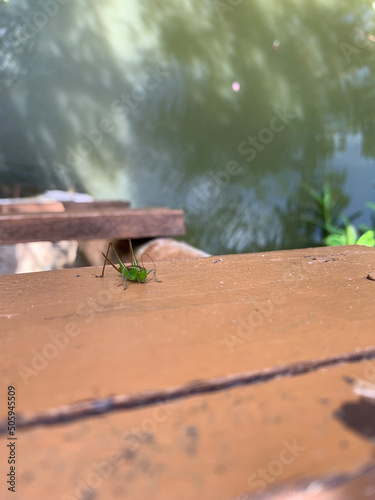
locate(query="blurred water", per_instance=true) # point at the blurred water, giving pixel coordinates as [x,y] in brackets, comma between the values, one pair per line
[218,107]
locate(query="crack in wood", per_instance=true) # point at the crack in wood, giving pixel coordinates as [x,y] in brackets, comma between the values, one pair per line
[90,408]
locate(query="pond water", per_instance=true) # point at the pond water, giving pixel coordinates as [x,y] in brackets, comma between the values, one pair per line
[222,108]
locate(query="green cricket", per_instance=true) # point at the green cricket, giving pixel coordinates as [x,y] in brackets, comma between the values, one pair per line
[135,272]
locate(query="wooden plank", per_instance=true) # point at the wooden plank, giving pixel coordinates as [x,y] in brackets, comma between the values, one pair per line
[245,313]
[213,324]
[71,206]
[56,206]
[358,484]
[229,445]
[31,208]
[92,224]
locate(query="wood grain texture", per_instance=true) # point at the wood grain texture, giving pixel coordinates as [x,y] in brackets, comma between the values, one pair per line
[91,224]
[42,206]
[230,445]
[71,206]
[256,344]
[31,208]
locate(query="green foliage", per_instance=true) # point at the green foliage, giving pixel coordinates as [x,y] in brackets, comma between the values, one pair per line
[336,228]
[349,236]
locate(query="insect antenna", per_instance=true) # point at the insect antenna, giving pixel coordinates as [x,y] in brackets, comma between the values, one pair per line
[153,263]
[149,256]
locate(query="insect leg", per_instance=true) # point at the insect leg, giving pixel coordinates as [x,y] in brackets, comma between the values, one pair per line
[109,262]
[134,260]
[124,278]
[105,260]
[153,270]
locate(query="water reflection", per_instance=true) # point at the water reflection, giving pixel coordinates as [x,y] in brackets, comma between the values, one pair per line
[151,102]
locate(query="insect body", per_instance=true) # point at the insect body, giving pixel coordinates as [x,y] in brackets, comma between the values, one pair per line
[135,272]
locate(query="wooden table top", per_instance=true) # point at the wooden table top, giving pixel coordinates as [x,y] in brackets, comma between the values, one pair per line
[222,382]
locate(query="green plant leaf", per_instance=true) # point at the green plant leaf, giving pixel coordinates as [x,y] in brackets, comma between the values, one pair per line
[327,203]
[315,195]
[333,229]
[367,239]
[338,228]
[327,196]
[335,239]
[351,235]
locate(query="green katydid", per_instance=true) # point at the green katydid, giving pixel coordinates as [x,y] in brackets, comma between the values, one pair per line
[135,272]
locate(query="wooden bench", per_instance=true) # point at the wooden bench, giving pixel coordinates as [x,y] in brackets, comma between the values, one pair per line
[222,382]
[86,221]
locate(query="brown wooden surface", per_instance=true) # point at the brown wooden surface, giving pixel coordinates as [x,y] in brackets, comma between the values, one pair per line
[71,206]
[200,382]
[57,206]
[31,208]
[91,224]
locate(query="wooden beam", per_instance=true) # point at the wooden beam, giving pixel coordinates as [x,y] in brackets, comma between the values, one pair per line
[37,207]
[72,206]
[31,208]
[91,225]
